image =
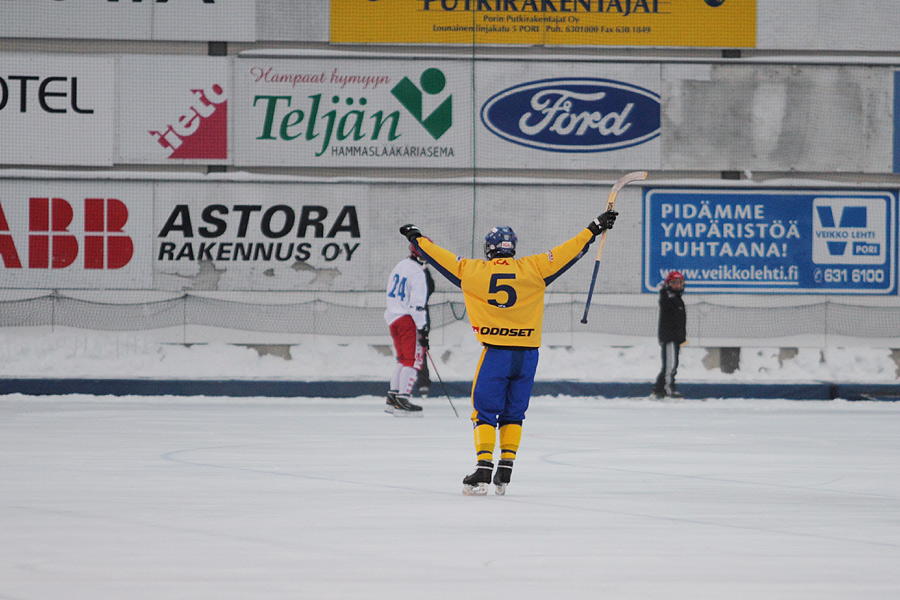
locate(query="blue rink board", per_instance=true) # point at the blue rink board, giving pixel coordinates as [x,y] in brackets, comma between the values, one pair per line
[456,389]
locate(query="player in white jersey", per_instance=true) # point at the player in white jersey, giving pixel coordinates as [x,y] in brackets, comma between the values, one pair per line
[407,297]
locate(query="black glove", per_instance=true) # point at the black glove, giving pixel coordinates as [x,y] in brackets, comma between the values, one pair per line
[603,222]
[411,232]
[423,337]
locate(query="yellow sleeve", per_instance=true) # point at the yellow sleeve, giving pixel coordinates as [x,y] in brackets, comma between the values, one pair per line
[555,262]
[445,262]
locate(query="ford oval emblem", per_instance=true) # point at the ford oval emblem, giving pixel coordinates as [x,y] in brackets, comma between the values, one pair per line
[574,115]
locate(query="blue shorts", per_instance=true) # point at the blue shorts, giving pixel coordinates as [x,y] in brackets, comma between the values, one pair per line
[503,384]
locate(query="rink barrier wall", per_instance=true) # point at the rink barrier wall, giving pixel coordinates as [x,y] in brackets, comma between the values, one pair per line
[455,389]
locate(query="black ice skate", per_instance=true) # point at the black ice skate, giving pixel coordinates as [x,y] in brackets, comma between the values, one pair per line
[400,406]
[391,402]
[477,483]
[502,476]
[663,393]
[672,393]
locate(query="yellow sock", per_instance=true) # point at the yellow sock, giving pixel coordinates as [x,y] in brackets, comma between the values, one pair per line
[510,436]
[485,438]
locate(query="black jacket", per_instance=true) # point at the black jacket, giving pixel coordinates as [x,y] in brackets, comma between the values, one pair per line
[672,317]
[429,283]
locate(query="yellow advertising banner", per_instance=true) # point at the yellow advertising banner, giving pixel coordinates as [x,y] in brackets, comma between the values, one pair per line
[659,23]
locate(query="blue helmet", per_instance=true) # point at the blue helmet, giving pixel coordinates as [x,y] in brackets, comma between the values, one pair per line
[500,241]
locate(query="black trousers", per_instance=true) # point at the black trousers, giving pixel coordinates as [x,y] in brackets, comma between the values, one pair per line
[665,381]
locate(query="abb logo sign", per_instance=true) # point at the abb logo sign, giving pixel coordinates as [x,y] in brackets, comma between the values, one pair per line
[53,245]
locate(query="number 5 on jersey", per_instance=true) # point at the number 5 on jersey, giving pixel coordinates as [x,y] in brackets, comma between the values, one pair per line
[502,288]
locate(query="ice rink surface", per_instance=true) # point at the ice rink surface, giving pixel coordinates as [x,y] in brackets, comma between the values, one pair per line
[109,498]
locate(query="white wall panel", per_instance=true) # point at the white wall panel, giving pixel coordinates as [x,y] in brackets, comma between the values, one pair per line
[76,19]
[182,20]
[778,117]
[221,20]
[834,25]
[290,20]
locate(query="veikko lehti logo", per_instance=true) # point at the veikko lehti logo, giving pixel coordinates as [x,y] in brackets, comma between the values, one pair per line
[574,115]
[848,231]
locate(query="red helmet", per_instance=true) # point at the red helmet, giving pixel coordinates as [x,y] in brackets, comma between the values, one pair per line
[672,276]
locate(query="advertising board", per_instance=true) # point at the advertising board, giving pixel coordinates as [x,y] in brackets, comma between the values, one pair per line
[699,23]
[56,109]
[215,235]
[292,236]
[57,234]
[174,109]
[772,241]
[598,116]
[256,238]
[343,112]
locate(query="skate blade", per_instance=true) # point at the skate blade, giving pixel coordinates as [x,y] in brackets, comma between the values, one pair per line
[666,399]
[389,409]
[408,414]
[480,489]
[500,489]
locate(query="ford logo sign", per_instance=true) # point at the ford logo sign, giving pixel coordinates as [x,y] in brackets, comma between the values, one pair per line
[574,115]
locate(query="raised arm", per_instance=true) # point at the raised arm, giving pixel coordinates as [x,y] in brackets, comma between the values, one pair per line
[444,262]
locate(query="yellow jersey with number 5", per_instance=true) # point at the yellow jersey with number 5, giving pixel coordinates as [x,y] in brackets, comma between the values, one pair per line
[505,296]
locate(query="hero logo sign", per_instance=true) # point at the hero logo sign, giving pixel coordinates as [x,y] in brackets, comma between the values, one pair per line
[51,244]
[202,131]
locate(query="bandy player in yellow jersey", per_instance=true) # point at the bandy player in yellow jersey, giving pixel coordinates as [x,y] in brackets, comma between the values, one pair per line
[505,300]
